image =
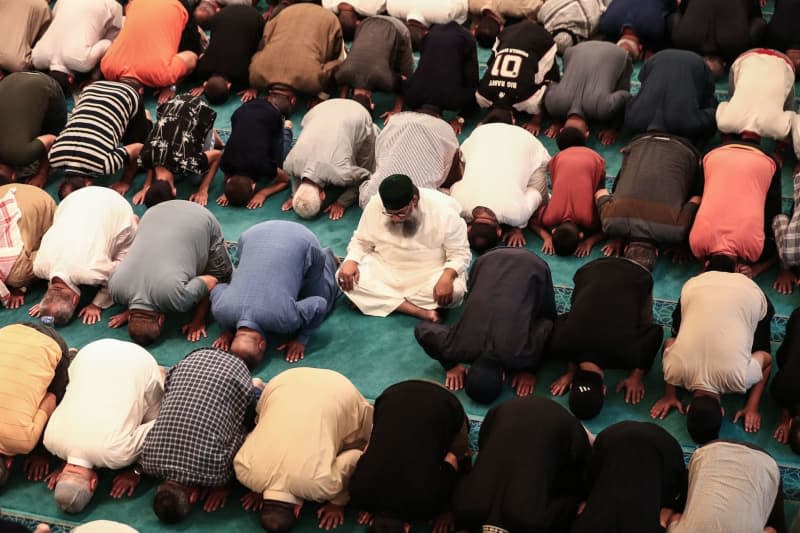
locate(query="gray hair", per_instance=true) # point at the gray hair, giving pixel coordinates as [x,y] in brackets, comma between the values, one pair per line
[72,494]
[306,202]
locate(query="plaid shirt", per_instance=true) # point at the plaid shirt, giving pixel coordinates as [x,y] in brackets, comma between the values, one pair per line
[201,424]
[787,233]
[11,243]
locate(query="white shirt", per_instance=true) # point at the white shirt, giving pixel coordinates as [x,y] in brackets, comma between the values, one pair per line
[77,26]
[112,400]
[505,170]
[720,312]
[92,230]
[365,8]
[732,488]
[313,426]
[429,11]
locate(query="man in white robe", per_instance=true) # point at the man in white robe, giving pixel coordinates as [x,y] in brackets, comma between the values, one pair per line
[92,230]
[409,253]
[112,400]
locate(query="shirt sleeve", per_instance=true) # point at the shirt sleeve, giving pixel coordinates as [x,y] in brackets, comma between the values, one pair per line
[362,243]
[753,373]
[456,244]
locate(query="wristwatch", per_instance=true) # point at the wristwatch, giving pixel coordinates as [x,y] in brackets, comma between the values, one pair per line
[460,120]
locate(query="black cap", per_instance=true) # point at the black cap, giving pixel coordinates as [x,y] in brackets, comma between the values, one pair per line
[586,396]
[396,191]
[484,381]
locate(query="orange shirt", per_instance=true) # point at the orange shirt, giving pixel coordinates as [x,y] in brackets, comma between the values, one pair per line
[146,47]
[576,174]
[730,220]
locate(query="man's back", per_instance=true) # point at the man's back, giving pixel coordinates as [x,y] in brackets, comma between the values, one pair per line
[659,173]
[528,475]
[171,248]
[21,22]
[720,312]
[235,31]
[255,147]
[201,424]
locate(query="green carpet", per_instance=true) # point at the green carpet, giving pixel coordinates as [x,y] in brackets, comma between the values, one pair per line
[375,353]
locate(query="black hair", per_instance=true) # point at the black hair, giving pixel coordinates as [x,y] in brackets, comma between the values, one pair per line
[565,238]
[487,31]
[238,190]
[482,237]
[160,191]
[499,114]
[70,184]
[216,90]
[277,517]
[569,137]
[721,263]
[704,419]
[364,100]
[171,504]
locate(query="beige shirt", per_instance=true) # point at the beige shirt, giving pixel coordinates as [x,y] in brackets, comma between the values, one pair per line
[732,489]
[313,426]
[112,400]
[712,352]
[92,230]
[37,208]
[22,22]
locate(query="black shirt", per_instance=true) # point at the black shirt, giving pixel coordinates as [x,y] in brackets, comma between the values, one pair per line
[636,469]
[783,31]
[610,321]
[255,147]
[508,314]
[403,473]
[235,33]
[447,73]
[530,472]
[786,384]
[520,52]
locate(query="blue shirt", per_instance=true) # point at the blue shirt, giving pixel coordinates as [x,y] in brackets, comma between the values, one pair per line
[285,282]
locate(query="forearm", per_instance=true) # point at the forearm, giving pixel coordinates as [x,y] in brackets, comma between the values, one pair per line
[214,158]
[754,396]
[201,311]
[540,232]
[103,298]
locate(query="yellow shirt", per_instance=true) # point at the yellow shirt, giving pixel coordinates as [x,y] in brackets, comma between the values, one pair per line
[28,360]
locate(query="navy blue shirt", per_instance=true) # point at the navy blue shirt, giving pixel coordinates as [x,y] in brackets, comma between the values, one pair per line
[255,147]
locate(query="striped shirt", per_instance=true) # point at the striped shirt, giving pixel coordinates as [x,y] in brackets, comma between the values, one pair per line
[90,143]
[418,145]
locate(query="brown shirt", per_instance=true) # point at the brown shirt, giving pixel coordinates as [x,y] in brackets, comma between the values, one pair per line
[37,208]
[302,47]
[22,22]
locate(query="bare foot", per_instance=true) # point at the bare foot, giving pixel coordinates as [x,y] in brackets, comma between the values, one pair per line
[431,316]
[784,282]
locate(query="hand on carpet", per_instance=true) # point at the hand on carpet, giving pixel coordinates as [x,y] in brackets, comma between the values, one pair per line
[194,331]
[750,417]
[252,501]
[223,342]
[222,200]
[52,479]
[634,389]
[444,523]
[330,516]
[335,211]
[121,187]
[552,131]
[36,466]
[608,136]
[287,205]
[547,246]
[215,498]
[613,248]
[90,314]
[364,518]
[138,198]
[663,406]
[257,200]
[197,91]
[781,433]
[118,320]
[524,383]
[34,311]
[295,350]
[124,484]
[785,281]
[561,385]
[15,299]
[584,248]
[533,127]
[200,197]
[514,238]
[165,95]
[247,95]
[454,378]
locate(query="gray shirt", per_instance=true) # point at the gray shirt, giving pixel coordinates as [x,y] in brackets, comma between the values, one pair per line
[176,242]
[380,54]
[336,147]
[596,83]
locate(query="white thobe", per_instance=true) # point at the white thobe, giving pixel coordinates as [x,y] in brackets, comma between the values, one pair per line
[762,92]
[92,230]
[313,426]
[428,12]
[365,8]
[394,268]
[79,36]
[505,170]
[112,400]
[507,8]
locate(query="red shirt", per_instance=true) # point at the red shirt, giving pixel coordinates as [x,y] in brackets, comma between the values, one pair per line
[576,174]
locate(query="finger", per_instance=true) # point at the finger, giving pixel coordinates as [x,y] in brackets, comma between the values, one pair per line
[620,386]
[737,416]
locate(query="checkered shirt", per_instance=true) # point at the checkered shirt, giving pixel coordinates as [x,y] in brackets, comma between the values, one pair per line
[787,233]
[201,424]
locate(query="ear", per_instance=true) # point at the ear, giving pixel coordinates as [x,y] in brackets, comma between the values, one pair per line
[722,409]
[75,298]
[204,84]
[581,235]
[253,186]
[499,231]
[228,85]
[297,508]
[469,227]
[605,390]
[293,101]
[161,320]
[194,495]
[174,190]
[321,194]
[262,344]
[93,483]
